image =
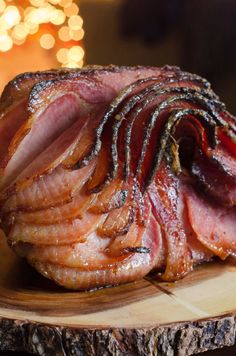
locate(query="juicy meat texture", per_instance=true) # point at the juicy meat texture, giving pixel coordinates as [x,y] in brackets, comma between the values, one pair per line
[106,173]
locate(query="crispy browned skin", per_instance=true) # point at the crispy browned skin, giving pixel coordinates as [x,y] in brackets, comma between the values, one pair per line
[107,173]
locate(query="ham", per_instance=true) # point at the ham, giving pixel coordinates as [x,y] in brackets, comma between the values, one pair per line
[218,231]
[59,233]
[52,189]
[106,173]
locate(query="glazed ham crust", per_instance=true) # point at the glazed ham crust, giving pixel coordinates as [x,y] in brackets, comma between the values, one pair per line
[107,173]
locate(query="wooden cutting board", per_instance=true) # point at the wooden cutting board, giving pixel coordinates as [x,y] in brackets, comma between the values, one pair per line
[141,318]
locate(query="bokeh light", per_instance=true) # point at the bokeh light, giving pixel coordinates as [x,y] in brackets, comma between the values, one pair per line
[55,24]
[71,10]
[6,42]
[63,55]
[75,22]
[47,41]
[64,34]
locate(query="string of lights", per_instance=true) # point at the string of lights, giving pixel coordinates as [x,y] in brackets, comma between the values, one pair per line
[51,22]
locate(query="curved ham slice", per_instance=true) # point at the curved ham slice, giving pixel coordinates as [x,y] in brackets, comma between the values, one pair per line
[214,180]
[88,255]
[8,128]
[130,269]
[75,209]
[52,156]
[20,86]
[111,197]
[117,222]
[218,231]
[224,160]
[166,207]
[13,108]
[57,234]
[58,117]
[126,243]
[50,190]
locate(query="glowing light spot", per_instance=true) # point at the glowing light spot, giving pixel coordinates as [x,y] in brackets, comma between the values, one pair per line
[81,63]
[31,27]
[20,31]
[65,2]
[40,15]
[28,10]
[55,2]
[71,9]
[72,65]
[47,41]
[18,42]
[77,35]
[62,55]
[64,33]
[6,43]
[57,17]
[75,22]
[76,53]
[11,16]
[37,3]
[2,5]
[18,19]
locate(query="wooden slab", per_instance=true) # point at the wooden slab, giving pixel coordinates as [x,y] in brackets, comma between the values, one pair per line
[142,318]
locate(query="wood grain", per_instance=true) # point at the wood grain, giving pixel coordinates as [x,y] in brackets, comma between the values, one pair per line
[142,318]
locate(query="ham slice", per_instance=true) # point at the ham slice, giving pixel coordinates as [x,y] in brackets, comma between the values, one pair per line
[129,269]
[57,234]
[49,126]
[67,211]
[219,184]
[218,231]
[106,173]
[50,190]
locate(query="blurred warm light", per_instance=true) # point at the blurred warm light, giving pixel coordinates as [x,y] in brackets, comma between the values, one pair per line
[28,10]
[52,24]
[5,42]
[65,2]
[54,2]
[47,41]
[76,53]
[40,15]
[2,5]
[72,64]
[71,9]
[31,27]
[64,33]
[20,31]
[63,55]
[75,22]
[37,3]
[57,17]
[10,17]
[77,35]
[19,42]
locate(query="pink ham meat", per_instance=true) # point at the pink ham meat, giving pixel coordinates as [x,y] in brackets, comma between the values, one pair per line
[107,172]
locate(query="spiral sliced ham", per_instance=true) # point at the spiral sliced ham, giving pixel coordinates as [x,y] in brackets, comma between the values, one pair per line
[106,173]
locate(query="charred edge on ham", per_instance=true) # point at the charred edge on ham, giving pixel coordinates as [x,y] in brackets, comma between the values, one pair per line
[113,107]
[202,96]
[139,210]
[176,116]
[140,249]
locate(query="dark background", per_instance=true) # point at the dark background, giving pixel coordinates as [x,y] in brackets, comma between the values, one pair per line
[197,35]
